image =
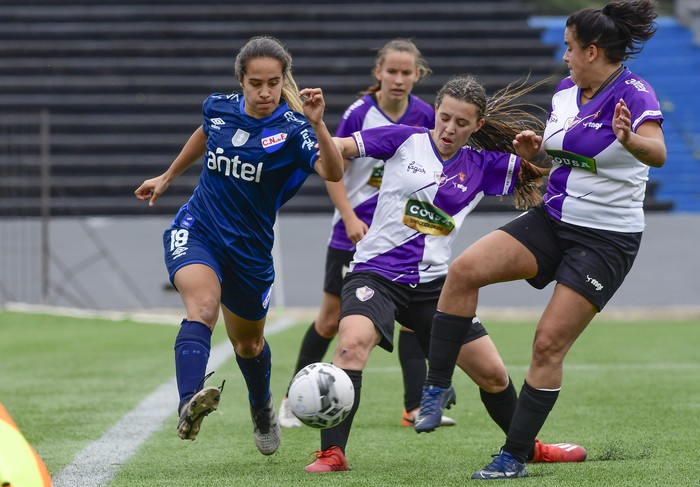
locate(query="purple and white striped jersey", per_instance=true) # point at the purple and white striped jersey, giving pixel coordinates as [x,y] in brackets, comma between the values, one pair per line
[595,182]
[423,201]
[364,174]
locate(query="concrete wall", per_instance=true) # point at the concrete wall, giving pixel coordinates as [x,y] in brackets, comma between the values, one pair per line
[117,264]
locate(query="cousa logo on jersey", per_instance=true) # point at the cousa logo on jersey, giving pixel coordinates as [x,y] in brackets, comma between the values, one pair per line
[272,141]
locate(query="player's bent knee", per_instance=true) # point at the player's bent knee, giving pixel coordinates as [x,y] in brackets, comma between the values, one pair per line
[327,328]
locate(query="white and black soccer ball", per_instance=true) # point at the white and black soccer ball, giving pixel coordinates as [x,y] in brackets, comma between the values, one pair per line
[321,395]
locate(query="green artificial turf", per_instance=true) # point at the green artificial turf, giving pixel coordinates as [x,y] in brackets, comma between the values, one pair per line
[629,396]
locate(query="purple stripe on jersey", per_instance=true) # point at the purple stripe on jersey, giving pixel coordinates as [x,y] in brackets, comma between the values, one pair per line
[402,260]
[474,172]
[339,236]
[583,138]
[556,191]
[382,142]
[353,117]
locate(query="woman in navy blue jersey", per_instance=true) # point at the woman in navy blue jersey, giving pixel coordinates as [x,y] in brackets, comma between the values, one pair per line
[258,146]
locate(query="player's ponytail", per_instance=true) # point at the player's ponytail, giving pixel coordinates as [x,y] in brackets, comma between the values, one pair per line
[620,28]
[270,47]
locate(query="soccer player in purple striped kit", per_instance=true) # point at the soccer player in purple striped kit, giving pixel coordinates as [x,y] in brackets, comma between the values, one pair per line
[603,133]
[398,65]
[258,147]
[431,182]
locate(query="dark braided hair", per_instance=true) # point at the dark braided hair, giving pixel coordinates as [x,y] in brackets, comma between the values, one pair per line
[504,118]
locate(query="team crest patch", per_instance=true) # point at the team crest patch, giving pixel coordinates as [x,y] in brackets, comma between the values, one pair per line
[364,293]
[239,138]
[272,140]
[440,178]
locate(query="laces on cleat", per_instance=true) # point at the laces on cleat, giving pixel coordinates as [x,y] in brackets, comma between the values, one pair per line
[503,466]
[330,460]
[203,402]
[433,401]
[266,428]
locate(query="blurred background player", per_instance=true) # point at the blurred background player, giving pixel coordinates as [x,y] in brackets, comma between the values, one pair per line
[603,133]
[398,65]
[432,182]
[258,149]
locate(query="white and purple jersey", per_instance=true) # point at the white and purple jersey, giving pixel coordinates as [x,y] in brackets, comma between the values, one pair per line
[363,176]
[423,201]
[251,168]
[595,182]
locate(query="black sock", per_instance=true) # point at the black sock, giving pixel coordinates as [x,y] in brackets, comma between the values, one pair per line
[501,405]
[338,435]
[313,348]
[413,368]
[446,339]
[533,408]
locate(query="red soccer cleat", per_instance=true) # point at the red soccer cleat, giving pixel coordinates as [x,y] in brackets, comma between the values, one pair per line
[331,460]
[558,453]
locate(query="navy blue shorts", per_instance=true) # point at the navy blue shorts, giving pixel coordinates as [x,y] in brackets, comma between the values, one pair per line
[592,262]
[384,302]
[337,265]
[244,292]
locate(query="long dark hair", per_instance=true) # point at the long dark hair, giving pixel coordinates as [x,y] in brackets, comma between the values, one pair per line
[619,28]
[270,47]
[504,117]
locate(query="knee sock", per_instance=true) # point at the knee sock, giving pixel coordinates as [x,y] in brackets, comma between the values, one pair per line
[313,348]
[446,338]
[501,405]
[256,372]
[192,347]
[413,368]
[338,435]
[533,408]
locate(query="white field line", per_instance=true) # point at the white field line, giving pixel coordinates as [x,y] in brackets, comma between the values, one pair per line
[99,461]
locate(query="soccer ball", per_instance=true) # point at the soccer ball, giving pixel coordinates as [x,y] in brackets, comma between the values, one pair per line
[321,395]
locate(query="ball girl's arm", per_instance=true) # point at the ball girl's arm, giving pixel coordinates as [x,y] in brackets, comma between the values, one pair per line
[192,151]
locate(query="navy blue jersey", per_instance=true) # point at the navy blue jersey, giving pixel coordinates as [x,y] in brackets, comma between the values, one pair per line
[251,168]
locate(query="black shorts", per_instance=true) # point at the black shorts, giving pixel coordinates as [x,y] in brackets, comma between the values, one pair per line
[337,265]
[591,262]
[384,302]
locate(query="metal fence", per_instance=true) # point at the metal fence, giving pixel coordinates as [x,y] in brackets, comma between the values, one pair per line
[24,182]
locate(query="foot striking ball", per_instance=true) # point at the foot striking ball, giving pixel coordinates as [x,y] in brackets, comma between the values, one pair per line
[321,395]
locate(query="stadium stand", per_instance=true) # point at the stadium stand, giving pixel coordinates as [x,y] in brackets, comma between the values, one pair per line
[119,85]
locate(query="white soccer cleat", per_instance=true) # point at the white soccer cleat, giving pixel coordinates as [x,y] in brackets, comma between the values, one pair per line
[286,417]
